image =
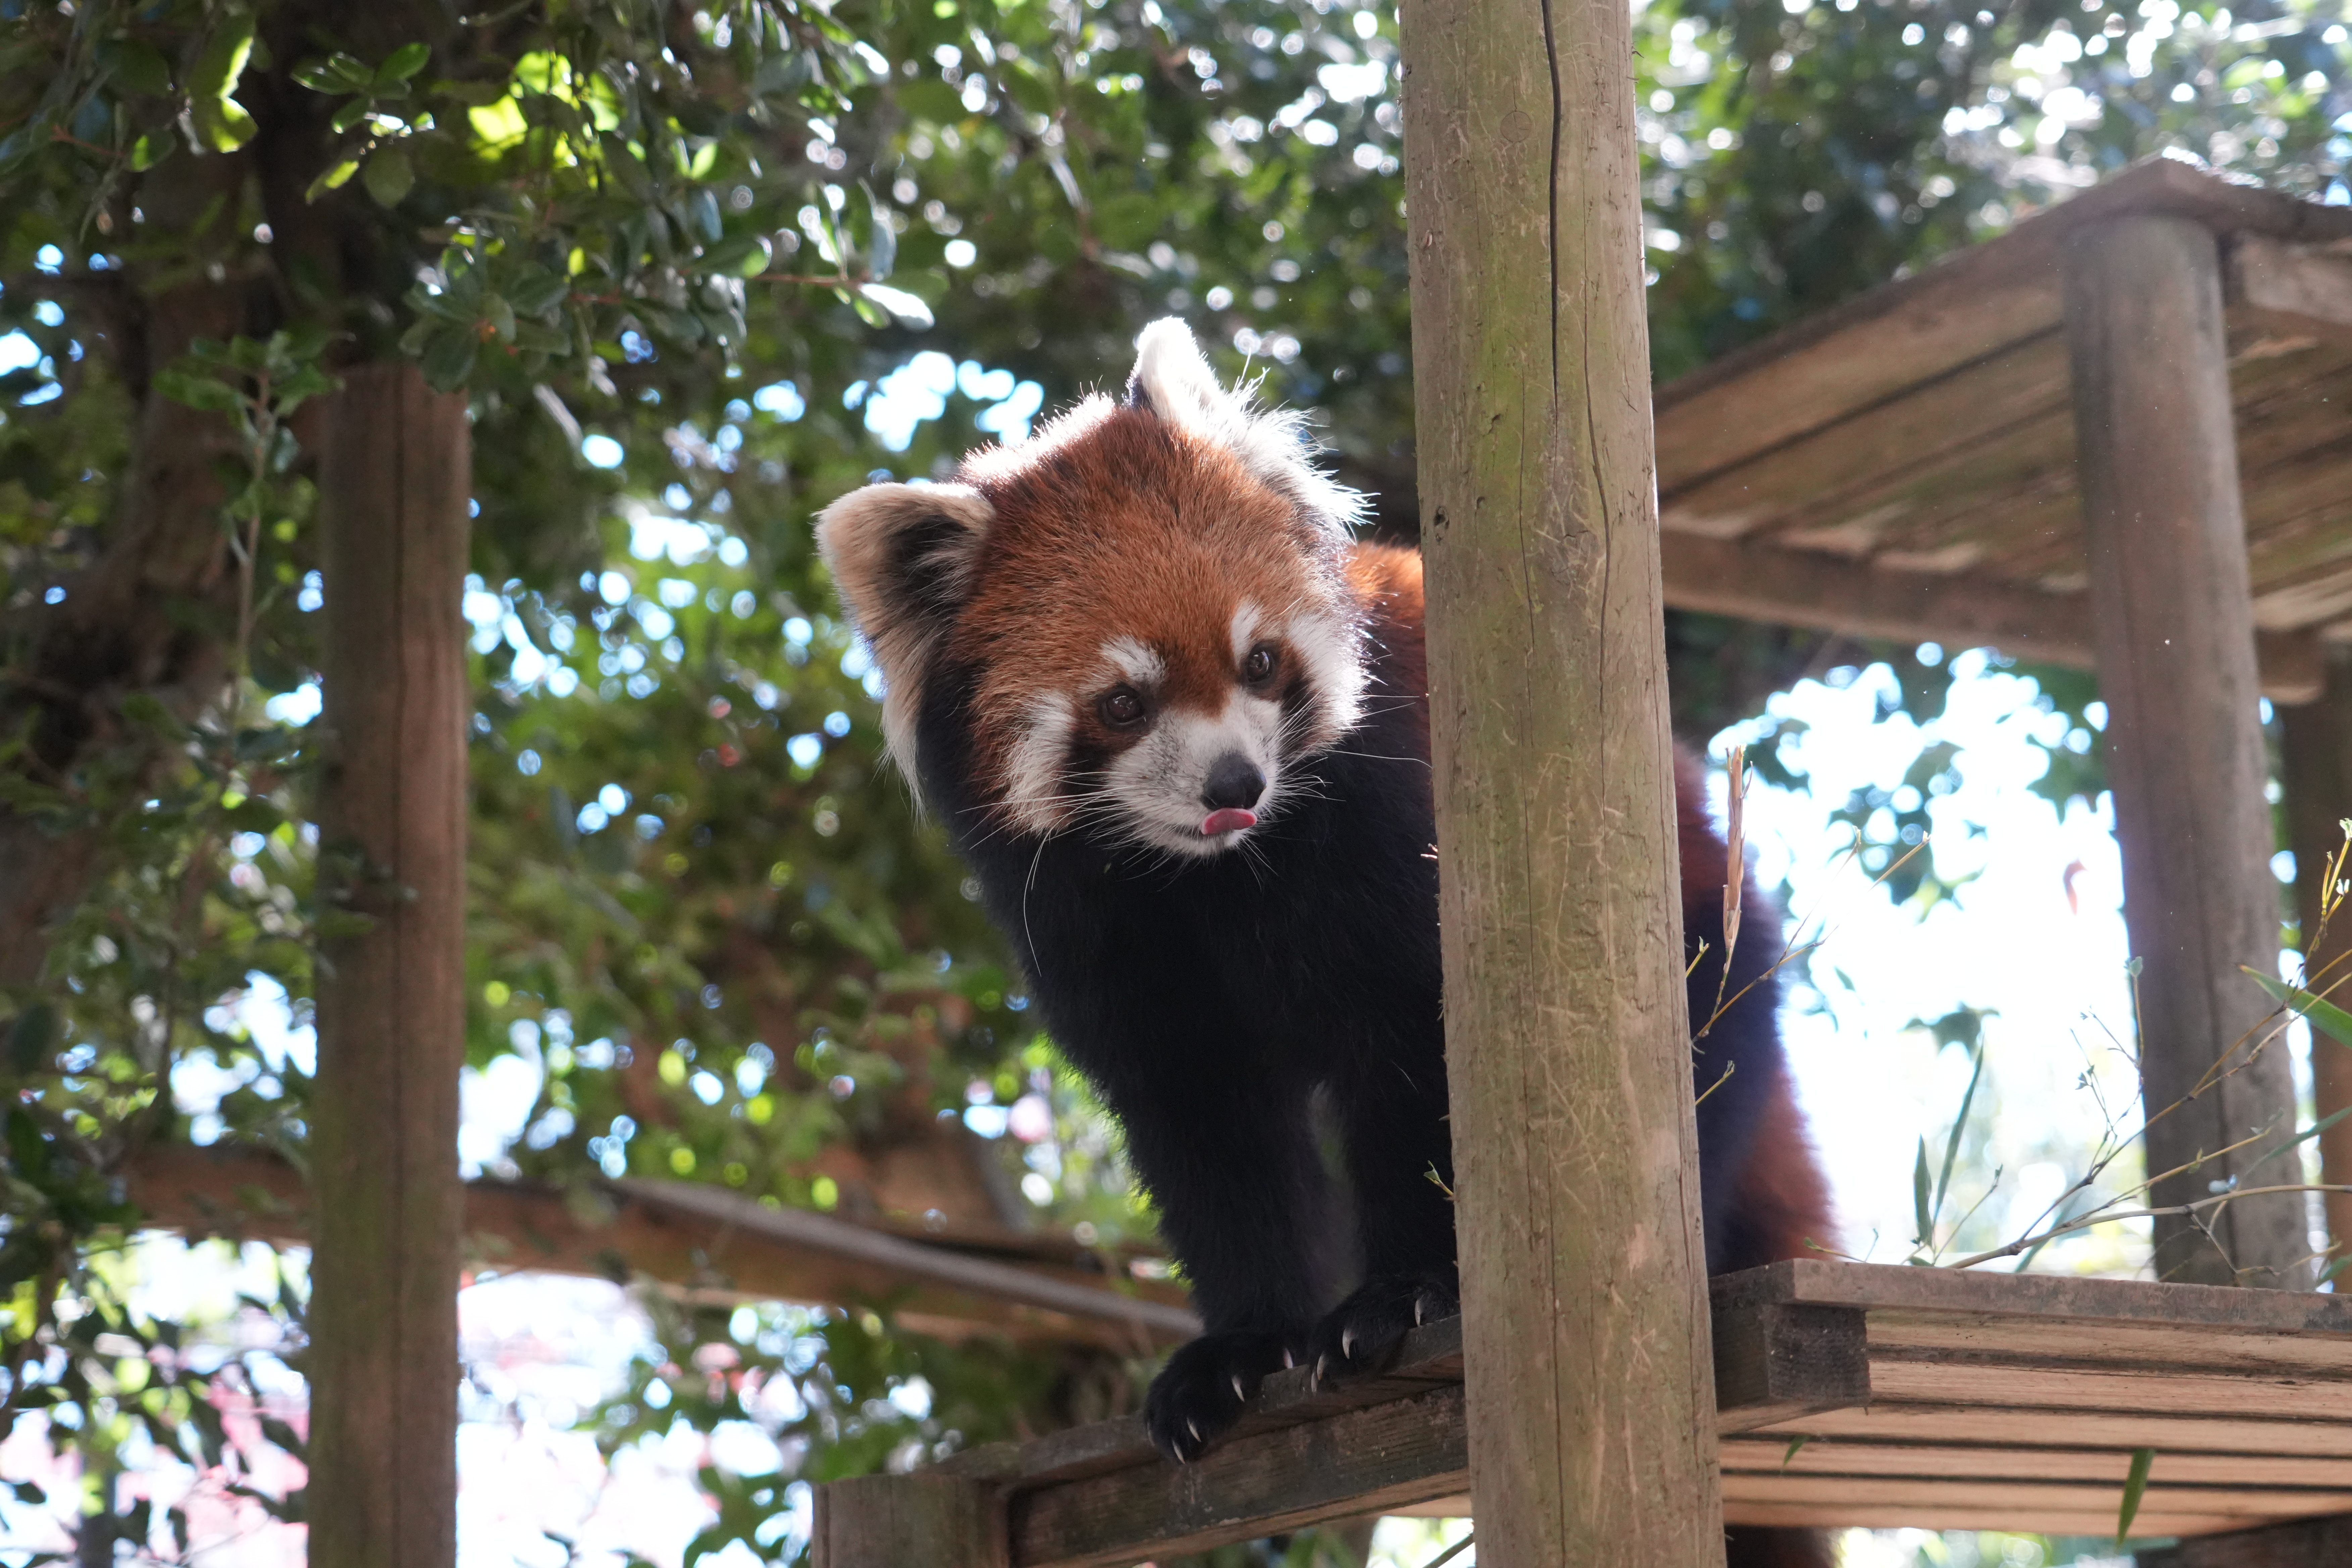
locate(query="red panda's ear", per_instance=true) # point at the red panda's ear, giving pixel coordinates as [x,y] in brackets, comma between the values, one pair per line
[1172,379]
[902,556]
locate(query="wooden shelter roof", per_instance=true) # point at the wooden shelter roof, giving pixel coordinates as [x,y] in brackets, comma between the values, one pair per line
[1904,465]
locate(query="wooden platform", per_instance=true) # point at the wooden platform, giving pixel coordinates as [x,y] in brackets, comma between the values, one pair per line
[1923,1398]
[1904,465]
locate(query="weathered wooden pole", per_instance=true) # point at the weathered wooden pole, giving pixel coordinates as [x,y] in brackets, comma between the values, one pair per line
[1592,1405]
[392,485]
[2173,623]
[2317,741]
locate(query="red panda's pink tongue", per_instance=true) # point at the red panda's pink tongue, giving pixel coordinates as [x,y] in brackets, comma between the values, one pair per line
[1229,820]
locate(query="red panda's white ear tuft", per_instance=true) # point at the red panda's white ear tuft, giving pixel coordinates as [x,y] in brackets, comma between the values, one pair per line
[902,557]
[1173,380]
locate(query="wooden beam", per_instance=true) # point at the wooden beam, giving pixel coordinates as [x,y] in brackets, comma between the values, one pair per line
[886,1521]
[1786,587]
[2173,622]
[2316,748]
[2287,289]
[1776,1361]
[1568,1051]
[392,485]
[673,1232]
[2306,1543]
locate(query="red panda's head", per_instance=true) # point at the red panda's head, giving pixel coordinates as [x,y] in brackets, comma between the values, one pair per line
[1149,598]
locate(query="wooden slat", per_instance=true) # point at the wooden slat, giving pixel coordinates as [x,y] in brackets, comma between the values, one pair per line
[1770,1456]
[2038,1297]
[1995,1424]
[2030,1386]
[1958,1336]
[1776,1360]
[1786,587]
[2307,1543]
[1361,1461]
[2293,288]
[1925,1493]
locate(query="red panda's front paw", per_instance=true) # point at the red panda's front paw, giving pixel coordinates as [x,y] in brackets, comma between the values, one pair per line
[1363,1332]
[1202,1388]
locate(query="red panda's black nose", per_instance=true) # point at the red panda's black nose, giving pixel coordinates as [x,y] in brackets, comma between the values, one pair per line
[1233,783]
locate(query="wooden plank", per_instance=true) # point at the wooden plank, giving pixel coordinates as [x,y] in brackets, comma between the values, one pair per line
[1762,581]
[2061,1341]
[2030,1385]
[1811,476]
[1770,1456]
[1362,1462]
[2306,1543]
[1566,1047]
[382,1361]
[1971,1422]
[2290,287]
[1828,1283]
[2027,1498]
[1776,1361]
[893,1521]
[1953,313]
[2052,1522]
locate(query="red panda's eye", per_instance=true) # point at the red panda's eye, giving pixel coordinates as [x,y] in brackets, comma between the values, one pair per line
[1259,665]
[1120,708]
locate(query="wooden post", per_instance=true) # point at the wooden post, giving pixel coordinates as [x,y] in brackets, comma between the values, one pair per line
[392,485]
[1590,1392]
[2173,623]
[895,1522]
[2317,739]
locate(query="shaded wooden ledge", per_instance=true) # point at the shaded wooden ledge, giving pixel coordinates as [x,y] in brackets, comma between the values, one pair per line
[1848,1394]
[1904,465]
[713,1243]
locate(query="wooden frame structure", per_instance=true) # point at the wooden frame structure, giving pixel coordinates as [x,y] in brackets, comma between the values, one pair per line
[1846,1395]
[2120,437]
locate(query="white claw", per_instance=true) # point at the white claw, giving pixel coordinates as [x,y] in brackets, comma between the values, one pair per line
[1348,1342]
[1288,1361]
[1194,1428]
[1418,1314]
[1239,1392]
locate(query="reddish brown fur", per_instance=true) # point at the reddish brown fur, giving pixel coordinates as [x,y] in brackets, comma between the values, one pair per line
[1783,1195]
[1127,527]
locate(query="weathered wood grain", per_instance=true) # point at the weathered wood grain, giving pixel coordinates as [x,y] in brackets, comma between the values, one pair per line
[2033,1298]
[2307,1543]
[2316,748]
[1770,1456]
[2173,618]
[1566,1047]
[383,1362]
[1356,1462]
[1776,1360]
[2293,288]
[897,1521]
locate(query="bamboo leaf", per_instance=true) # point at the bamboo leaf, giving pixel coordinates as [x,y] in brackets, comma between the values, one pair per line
[2323,1014]
[2135,1485]
[1960,1125]
[1921,1188]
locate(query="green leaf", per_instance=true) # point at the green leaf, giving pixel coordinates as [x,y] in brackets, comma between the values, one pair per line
[448,357]
[198,391]
[2135,1485]
[138,68]
[1921,1190]
[403,63]
[388,176]
[32,1042]
[220,123]
[1795,1444]
[151,150]
[1960,1125]
[334,179]
[501,315]
[744,256]
[223,61]
[2323,1014]
[533,290]
[909,310]
[349,115]
[882,245]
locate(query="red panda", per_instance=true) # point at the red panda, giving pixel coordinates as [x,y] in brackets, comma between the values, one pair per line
[1175,718]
